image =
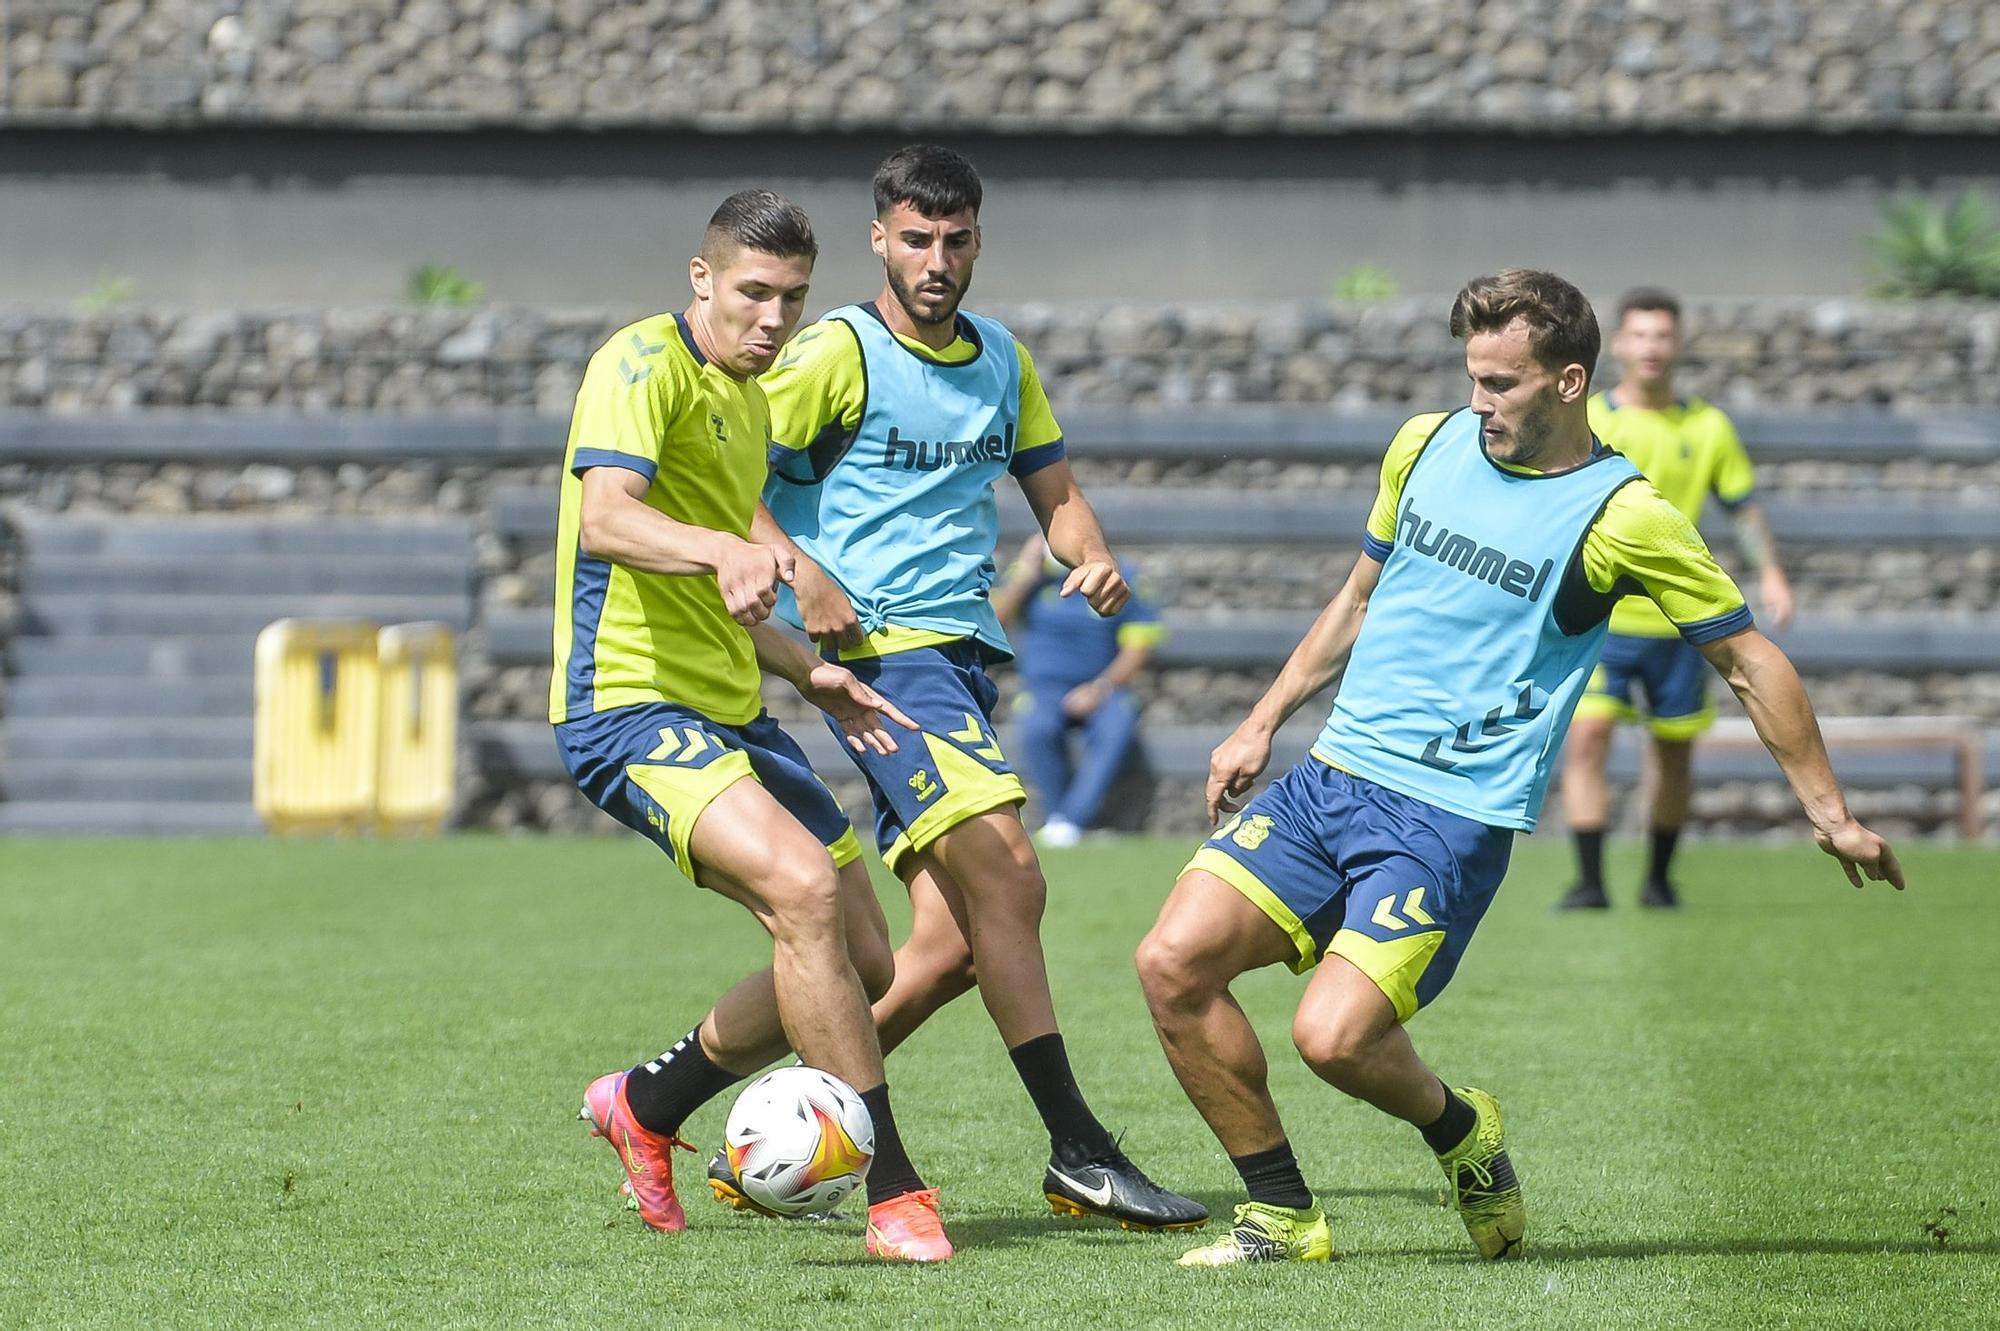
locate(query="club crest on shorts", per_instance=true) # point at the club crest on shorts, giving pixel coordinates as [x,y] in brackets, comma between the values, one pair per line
[1252,831]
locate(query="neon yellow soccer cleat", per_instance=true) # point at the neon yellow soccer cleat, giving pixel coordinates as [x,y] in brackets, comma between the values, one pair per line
[1483,1182]
[1264,1233]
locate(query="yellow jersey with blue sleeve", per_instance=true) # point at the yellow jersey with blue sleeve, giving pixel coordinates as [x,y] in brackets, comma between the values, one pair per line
[1689,451]
[653,404]
[1640,542]
[883,457]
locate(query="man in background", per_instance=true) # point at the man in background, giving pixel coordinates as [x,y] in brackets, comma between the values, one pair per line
[1077,668]
[1689,450]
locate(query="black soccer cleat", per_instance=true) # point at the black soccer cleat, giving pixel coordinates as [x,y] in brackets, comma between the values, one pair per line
[1584,897]
[1116,1189]
[1659,894]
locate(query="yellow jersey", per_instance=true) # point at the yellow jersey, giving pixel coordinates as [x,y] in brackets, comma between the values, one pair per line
[1639,537]
[651,403]
[1689,452]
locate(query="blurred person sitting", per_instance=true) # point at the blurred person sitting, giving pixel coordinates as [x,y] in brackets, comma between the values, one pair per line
[1076,669]
[1689,450]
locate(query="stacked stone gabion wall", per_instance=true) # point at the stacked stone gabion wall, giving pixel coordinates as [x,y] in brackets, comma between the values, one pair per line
[1782,353]
[1060,65]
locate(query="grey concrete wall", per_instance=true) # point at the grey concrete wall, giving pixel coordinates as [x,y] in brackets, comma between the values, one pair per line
[221,220]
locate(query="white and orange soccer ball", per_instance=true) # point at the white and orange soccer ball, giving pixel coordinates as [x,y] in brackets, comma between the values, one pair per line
[799,1140]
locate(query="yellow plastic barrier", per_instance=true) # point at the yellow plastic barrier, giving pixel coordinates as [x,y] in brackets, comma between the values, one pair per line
[318,725]
[417,754]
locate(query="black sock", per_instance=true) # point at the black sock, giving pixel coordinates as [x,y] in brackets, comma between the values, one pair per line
[1458,1119]
[892,1174]
[1663,853]
[1590,857]
[1273,1178]
[1075,1135]
[664,1091]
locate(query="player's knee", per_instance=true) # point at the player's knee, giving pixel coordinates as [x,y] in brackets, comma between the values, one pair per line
[1334,1049]
[804,899]
[946,968]
[1170,972]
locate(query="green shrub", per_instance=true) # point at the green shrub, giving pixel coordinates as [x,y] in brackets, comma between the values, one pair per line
[1366,283]
[1927,249]
[441,284]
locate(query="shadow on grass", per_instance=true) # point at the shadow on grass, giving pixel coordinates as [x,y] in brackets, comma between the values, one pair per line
[1586,1251]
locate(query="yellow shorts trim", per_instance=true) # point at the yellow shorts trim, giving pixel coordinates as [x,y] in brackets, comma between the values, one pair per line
[1395,966]
[1682,727]
[1210,860]
[893,638]
[686,792]
[1604,707]
[845,849]
[957,807]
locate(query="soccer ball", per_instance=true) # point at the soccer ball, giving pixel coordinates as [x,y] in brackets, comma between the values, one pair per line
[799,1140]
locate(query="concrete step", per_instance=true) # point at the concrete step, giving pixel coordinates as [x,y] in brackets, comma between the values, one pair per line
[169,541]
[141,613]
[59,696]
[27,737]
[166,780]
[128,657]
[265,575]
[127,818]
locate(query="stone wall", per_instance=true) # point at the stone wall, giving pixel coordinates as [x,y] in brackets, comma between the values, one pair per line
[1913,356]
[1059,65]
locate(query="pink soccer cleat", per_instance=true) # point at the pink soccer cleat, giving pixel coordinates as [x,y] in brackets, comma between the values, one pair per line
[646,1156]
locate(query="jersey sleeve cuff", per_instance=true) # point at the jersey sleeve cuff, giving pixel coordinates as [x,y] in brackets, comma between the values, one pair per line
[586,458]
[1720,626]
[1031,460]
[1739,501]
[1376,548]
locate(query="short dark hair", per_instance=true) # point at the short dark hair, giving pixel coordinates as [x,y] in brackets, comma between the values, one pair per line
[1562,328]
[936,181]
[1649,298]
[762,220]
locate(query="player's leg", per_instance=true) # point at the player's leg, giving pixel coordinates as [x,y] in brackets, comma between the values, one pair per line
[1606,700]
[1677,686]
[934,964]
[1223,918]
[746,852]
[1041,738]
[1107,742]
[949,809]
[1419,880]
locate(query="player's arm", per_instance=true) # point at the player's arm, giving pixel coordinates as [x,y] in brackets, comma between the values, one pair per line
[827,614]
[1735,482]
[1019,584]
[863,714]
[1313,664]
[1642,540]
[817,392]
[1763,678]
[1076,537]
[1140,634]
[617,525]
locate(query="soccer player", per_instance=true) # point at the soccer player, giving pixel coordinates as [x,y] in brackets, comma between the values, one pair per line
[891,423]
[1077,668]
[1688,450]
[1498,541]
[658,643]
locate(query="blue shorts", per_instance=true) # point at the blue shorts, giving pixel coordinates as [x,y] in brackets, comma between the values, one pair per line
[1667,674]
[954,770]
[656,766]
[1347,867]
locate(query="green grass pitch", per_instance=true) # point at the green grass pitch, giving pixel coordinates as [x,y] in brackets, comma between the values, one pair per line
[250,1084]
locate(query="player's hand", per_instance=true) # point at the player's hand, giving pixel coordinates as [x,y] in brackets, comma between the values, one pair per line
[1235,764]
[1777,598]
[1101,584]
[1861,852]
[861,711]
[1084,699]
[748,575]
[828,614]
